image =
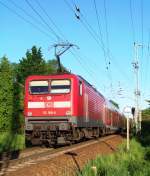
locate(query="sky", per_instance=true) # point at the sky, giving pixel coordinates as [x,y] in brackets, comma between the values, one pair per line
[103,36]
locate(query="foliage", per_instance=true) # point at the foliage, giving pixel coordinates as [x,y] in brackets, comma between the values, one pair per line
[144,137]
[148,101]
[10,142]
[132,163]
[12,79]
[146,114]
[32,64]
[52,67]
[18,123]
[6,94]
[114,103]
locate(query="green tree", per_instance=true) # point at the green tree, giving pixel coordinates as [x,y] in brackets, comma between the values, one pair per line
[148,101]
[114,103]
[146,114]
[32,64]
[52,67]
[6,94]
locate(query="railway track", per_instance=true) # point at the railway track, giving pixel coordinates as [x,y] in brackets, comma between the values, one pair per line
[37,155]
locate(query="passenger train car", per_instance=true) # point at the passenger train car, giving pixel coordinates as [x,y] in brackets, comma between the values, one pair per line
[65,108]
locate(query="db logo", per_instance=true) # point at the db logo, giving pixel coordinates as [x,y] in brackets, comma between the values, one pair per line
[49,98]
[49,104]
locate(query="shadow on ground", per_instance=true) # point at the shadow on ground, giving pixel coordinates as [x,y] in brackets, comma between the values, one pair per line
[5,158]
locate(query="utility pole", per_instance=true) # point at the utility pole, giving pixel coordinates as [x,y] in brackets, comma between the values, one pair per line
[137,92]
[60,49]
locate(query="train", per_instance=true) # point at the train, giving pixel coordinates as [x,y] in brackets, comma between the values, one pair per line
[65,108]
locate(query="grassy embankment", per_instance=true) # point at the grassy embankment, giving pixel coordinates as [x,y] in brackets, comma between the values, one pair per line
[135,162]
[11,142]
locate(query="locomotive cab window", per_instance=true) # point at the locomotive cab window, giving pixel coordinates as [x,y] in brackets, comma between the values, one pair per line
[38,87]
[60,86]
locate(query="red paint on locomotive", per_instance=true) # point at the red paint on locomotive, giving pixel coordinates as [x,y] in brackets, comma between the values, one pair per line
[67,101]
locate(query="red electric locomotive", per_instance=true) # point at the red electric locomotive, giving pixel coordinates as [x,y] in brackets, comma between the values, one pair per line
[65,108]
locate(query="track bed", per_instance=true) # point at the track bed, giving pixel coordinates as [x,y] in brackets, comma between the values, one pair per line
[62,161]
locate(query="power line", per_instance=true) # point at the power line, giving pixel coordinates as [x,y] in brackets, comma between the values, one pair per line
[25,12]
[50,19]
[99,27]
[55,25]
[24,19]
[87,26]
[101,43]
[107,40]
[84,59]
[98,21]
[106,26]
[142,25]
[17,14]
[42,19]
[131,18]
[85,68]
[147,60]
[108,49]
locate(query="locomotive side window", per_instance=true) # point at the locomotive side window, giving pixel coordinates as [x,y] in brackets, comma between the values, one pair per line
[38,87]
[80,88]
[60,86]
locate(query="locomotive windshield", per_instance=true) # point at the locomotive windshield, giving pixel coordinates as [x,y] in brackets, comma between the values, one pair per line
[51,86]
[39,87]
[60,86]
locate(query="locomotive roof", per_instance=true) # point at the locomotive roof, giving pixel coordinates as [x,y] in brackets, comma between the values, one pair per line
[91,86]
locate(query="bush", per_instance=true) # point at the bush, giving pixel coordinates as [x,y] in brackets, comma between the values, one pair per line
[6,95]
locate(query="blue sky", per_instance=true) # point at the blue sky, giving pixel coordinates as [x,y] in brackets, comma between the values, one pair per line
[118,33]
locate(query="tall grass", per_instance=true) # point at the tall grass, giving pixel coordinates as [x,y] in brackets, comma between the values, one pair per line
[122,163]
[11,142]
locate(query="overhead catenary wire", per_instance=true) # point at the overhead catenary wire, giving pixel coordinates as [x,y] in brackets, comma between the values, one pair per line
[88,28]
[91,74]
[50,19]
[106,28]
[83,65]
[49,37]
[142,24]
[147,61]
[40,23]
[60,31]
[97,38]
[26,20]
[85,23]
[99,24]
[43,20]
[132,22]
[92,32]
[142,70]
[27,14]
[107,42]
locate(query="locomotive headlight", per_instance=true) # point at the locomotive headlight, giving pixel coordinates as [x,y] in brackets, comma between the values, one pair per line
[29,113]
[68,112]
